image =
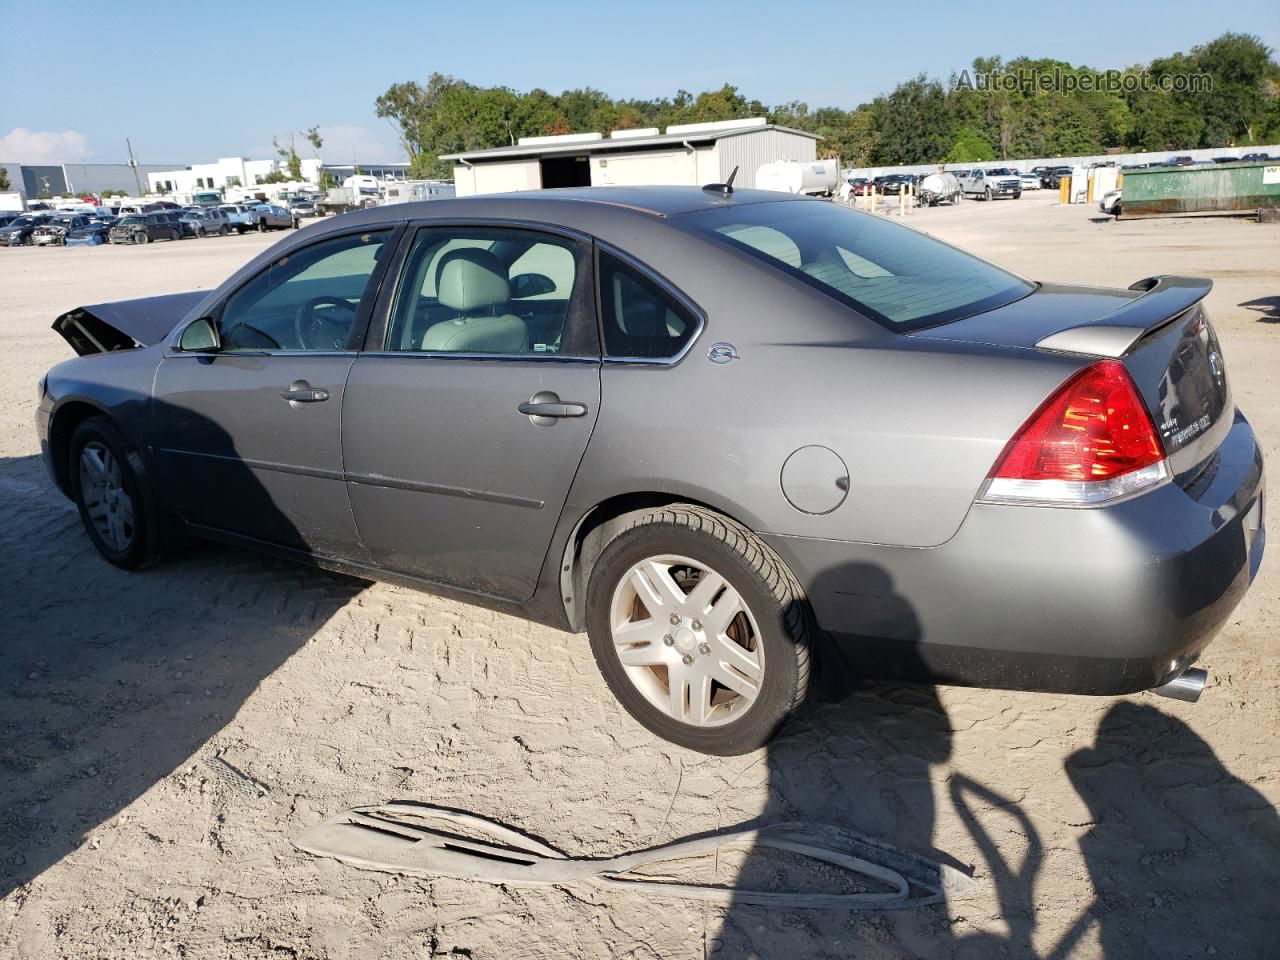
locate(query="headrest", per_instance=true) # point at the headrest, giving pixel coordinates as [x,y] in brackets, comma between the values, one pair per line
[471,279]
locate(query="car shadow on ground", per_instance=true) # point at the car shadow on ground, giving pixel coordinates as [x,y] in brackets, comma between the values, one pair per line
[111,680]
[1268,307]
[1184,858]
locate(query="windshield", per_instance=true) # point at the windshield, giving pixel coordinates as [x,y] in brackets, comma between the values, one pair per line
[902,279]
[131,221]
[999,171]
[24,221]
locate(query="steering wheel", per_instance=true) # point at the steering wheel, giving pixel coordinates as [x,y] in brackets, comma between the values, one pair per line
[323,333]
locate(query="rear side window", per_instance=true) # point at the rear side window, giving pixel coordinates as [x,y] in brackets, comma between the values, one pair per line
[897,277]
[641,320]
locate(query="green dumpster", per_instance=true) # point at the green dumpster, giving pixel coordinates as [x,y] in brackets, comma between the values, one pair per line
[1200,189]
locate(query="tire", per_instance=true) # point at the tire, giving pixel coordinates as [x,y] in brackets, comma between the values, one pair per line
[1018,195]
[223,230]
[139,535]
[987,195]
[174,235]
[769,635]
[142,237]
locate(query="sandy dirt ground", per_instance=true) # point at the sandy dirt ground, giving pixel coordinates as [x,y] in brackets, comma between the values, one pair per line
[164,735]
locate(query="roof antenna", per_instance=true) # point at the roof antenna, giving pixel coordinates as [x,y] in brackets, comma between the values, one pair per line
[724,189]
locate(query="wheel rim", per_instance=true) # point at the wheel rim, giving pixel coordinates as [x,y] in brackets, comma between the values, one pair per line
[109,506]
[687,640]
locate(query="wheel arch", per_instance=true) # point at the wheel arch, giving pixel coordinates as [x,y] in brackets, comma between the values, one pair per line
[593,531]
[62,425]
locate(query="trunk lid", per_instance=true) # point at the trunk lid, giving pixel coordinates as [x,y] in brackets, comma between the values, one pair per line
[1158,328]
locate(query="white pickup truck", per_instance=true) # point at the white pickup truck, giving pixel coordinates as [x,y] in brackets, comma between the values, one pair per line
[987,183]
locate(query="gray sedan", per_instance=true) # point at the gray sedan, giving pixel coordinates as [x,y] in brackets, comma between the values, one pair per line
[702,426]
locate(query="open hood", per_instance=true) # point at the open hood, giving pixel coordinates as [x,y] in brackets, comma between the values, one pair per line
[125,324]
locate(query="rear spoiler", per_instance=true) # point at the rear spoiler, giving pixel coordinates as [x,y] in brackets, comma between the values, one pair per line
[124,324]
[1162,300]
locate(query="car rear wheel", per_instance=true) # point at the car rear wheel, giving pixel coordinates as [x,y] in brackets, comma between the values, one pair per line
[113,494]
[223,230]
[699,629]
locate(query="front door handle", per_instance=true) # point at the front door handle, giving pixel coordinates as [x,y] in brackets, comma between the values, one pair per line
[302,392]
[545,408]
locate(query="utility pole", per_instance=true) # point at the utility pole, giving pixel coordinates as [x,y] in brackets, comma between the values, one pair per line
[133,163]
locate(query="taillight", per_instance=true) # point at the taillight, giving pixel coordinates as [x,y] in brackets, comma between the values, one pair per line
[1092,441]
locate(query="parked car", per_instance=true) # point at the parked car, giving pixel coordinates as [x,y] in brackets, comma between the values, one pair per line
[240,216]
[302,207]
[1182,161]
[55,232]
[892,184]
[18,232]
[1053,179]
[1110,203]
[1256,157]
[272,216]
[145,227]
[1064,494]
[860,186]
[205,222]
[987,183]
[1030,180]
[1226,159]
[8,216]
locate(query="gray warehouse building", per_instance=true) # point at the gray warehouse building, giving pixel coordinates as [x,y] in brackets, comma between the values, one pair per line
[66,179]
[687,154]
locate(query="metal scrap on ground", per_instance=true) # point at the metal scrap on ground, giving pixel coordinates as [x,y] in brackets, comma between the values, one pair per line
[424,840]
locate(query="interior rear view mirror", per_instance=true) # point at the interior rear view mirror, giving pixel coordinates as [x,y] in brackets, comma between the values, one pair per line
[201,336]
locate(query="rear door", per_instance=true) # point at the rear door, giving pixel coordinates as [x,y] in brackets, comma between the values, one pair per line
[248,437]
[465,419]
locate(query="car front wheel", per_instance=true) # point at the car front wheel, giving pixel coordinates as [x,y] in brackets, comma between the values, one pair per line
[699,629]
[112,492]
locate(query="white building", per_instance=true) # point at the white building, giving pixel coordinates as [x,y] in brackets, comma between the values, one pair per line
[230,172]
[687,154]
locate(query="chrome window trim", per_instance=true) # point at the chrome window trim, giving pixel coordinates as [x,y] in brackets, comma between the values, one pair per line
[663,284]
[445,355]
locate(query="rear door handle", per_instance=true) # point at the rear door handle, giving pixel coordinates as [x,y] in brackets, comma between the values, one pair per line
[545,407]
[302,392]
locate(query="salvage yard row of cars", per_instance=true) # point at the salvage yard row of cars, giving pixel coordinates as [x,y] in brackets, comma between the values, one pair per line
[165,221]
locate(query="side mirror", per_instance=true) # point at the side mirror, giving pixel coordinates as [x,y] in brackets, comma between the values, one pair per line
[531,285]
[200,336]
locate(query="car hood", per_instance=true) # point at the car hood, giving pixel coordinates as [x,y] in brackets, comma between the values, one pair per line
[124,324]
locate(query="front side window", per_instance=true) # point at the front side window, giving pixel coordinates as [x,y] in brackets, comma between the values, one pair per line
[641,320]
[305,300]
[490,290]
[889,273]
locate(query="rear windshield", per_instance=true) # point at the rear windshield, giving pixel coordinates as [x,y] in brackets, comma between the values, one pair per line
[902,279]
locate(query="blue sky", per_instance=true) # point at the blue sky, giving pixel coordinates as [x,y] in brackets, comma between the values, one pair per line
[242,72]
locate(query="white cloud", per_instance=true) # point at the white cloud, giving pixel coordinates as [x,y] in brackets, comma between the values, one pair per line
[21,145]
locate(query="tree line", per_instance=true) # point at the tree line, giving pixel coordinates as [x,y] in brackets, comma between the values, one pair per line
[1235,102]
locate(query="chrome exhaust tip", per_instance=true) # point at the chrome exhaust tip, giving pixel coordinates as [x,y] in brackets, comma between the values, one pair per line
[1188,685]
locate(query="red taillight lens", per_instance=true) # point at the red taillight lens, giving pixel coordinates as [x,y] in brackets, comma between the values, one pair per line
[1093,429]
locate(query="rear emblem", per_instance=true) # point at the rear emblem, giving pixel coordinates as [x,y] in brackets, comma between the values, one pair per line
[722,352]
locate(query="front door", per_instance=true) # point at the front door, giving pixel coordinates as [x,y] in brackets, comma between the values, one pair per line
[465,421]
[249,436]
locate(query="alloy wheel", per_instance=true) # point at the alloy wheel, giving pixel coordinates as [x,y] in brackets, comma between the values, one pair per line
[108,504]
[687,640]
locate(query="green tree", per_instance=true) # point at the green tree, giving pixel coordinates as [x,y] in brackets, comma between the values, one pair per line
[4,179]
[289,153]
[970,146]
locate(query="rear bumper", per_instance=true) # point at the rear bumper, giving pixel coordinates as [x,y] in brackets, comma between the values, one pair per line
[1106,600]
